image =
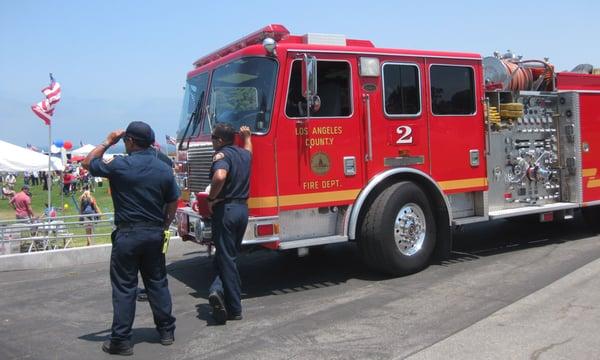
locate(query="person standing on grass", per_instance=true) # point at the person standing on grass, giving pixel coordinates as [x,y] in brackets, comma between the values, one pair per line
[26,177]
[21,202]
[10,181]
[7,193]
[144,195]
[35,178]
[44,179]
[90,213]
[67,181]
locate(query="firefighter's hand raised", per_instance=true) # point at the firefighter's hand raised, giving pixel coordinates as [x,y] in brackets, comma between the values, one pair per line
[115,136]
[246,135]
[245,132]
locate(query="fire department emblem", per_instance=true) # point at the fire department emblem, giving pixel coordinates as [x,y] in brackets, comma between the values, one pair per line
[319,163]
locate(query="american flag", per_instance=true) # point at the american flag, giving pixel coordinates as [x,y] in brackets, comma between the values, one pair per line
[171,140]
[45,108]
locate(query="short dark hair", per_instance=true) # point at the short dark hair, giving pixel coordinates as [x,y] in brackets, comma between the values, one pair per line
[224,132]
[141,143]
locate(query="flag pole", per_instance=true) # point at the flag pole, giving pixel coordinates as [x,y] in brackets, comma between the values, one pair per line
[49,174]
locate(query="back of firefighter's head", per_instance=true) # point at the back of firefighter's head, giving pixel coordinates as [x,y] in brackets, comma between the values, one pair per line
[138,135]
[223,134]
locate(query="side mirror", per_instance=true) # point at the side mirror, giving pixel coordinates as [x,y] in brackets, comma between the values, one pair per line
[309,83]
[309,76]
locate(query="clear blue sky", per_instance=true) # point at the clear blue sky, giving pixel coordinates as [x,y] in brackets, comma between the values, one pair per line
[127,60]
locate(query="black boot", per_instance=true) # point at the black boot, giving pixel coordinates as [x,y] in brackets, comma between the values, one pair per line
[215,299]
[117,348]
[167,337]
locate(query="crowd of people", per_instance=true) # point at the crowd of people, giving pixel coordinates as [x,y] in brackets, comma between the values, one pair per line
[76,178]
[73,180]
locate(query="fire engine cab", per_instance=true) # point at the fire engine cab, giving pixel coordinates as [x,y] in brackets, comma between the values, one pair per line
[388,148]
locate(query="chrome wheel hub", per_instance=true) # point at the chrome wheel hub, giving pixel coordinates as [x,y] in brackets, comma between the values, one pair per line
[410,229]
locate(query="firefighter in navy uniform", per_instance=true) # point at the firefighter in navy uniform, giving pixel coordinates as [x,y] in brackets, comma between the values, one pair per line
[227,201]
[145,196]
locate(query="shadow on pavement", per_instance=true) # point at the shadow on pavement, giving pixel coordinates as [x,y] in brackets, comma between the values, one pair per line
[266,273]
[501,236]
[139,335]
[271,273]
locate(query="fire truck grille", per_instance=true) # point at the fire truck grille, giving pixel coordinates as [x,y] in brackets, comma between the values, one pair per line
[199,162]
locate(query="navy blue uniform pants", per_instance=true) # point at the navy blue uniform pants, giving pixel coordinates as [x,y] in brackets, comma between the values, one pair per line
[138,249]
[229,223]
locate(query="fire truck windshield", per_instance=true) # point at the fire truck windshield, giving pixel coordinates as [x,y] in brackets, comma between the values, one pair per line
[241,93]
[194,89]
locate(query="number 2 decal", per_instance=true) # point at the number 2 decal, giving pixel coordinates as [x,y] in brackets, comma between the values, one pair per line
[405,133]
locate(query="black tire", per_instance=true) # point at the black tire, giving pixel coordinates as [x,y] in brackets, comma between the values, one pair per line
[378,234]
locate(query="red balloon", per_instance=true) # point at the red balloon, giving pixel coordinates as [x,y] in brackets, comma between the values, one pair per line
[68,145]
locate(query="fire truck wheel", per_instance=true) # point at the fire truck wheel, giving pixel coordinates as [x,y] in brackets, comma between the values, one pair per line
[398,232]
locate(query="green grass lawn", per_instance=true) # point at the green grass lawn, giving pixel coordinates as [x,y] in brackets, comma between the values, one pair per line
[66,206]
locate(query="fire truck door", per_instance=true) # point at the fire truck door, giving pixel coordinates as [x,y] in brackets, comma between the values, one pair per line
[394,116]
[590,145]
[319,160]
[456,129]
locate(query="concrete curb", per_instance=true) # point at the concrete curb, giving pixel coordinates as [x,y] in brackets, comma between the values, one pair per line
[559,321]
[79,256]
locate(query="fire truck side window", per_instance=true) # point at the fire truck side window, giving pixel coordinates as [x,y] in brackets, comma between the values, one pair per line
[452,90]
[401,90]
[333,87]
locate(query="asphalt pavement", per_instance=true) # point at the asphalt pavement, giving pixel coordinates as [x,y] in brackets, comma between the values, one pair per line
[512,290]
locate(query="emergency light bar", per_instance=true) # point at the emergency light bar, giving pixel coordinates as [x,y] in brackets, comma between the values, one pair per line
[324,39]
[275,31]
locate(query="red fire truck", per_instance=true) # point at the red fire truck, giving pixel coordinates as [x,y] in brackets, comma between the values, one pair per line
[388,148]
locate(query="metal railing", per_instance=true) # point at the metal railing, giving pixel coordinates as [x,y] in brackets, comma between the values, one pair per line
[49,233]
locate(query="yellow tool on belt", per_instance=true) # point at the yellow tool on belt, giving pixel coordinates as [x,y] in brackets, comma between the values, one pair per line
[166,238]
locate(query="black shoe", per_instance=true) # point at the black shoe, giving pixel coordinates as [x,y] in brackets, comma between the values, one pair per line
[235,317]
[215,299]
[117,348]
[167,337]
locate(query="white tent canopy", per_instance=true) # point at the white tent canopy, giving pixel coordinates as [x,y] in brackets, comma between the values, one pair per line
[83,151]
[16,158]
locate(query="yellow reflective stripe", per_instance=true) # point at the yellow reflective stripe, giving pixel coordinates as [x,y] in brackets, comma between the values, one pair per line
[463,183]
[593,183]
[345,195]
[589,172]
[303,199]
[262,202]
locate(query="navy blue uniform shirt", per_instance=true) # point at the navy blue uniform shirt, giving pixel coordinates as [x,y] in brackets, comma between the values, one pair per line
[236,161]
[141,185]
